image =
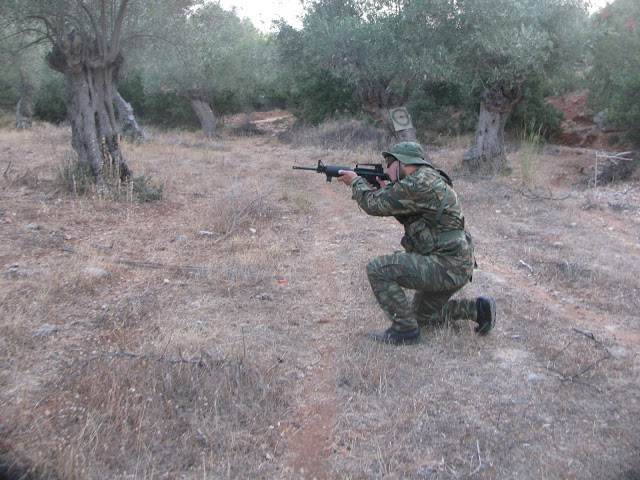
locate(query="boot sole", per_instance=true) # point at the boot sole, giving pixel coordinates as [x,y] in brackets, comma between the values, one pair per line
[487,327]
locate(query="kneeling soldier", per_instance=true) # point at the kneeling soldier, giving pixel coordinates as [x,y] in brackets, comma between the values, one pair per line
[438,259]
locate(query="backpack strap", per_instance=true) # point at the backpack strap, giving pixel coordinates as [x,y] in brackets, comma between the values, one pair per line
[442,205]
[445,177]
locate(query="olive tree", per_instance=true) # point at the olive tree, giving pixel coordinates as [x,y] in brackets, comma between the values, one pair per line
[22,67]
[211,51]
[491,46]
[495,46]
[86,45]
[360,42]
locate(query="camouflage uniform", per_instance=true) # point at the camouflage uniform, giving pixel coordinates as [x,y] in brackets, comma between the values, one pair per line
[438,259]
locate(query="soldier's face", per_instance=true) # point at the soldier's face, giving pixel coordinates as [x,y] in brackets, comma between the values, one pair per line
[393,169]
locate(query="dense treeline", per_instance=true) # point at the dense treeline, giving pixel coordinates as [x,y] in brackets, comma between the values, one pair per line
[483,65]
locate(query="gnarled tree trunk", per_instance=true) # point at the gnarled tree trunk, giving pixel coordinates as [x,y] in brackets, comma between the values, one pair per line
[25,108]
[200,104]
[487,154]
[91,77]
[24,112]
[378,102]
[128,125]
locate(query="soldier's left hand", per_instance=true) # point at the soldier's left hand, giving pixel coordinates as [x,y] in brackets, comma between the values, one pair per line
[346,176]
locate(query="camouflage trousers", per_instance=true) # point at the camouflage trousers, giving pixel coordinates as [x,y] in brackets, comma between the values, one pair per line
[435,278]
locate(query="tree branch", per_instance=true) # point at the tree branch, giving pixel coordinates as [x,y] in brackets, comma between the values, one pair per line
[163,358]
[574,377]
[528,193]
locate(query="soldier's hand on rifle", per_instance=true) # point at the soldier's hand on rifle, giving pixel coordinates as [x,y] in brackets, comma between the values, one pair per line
[383,183]
[346,176]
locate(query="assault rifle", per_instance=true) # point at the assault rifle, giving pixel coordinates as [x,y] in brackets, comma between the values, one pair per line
[369,174]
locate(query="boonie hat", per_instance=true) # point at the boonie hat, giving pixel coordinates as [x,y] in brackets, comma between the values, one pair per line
[410,153]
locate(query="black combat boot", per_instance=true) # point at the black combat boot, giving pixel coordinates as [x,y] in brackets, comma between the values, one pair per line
[486,309]
[395,337]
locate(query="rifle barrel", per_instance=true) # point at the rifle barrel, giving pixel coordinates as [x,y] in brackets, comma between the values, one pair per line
[315,169]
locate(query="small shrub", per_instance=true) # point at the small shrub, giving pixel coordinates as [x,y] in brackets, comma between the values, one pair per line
[247,129]
[145,191]
[531,142]
[443,108]
[49,101]
[76,176]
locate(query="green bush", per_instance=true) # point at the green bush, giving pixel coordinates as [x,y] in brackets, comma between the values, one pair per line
[49,101]
[168,110]
[76,176]
[145,191]
[226,103]
[265,101]
[319,96]
[613,81]
[131,89]
[533,116]
[9,95]
[442,107]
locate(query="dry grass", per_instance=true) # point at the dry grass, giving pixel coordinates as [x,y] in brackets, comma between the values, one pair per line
[221,332]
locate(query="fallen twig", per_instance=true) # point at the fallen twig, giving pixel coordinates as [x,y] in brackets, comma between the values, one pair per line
[200,361]
[528,193]
[574,377]
[479,460]
[527,265]
[187,268]
[613,157]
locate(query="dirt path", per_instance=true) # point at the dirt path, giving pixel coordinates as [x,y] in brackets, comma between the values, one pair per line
[315,415]
[325,265]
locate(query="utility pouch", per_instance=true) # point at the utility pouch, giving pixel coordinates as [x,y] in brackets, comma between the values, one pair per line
[419,239]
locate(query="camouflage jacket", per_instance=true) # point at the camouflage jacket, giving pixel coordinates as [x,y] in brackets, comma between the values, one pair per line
[426,205]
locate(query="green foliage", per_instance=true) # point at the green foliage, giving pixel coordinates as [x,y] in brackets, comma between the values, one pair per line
[442,107]
[267,98]
[49,103]
[145,190]
[226,102]
[441,53]
[131,89]
[168,110]
[533,115]
[318,96]
[505,42]
[208,54]
[614,81]
[9,94]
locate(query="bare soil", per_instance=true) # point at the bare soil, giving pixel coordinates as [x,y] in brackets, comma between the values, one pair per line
[222,332]
[579,128]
